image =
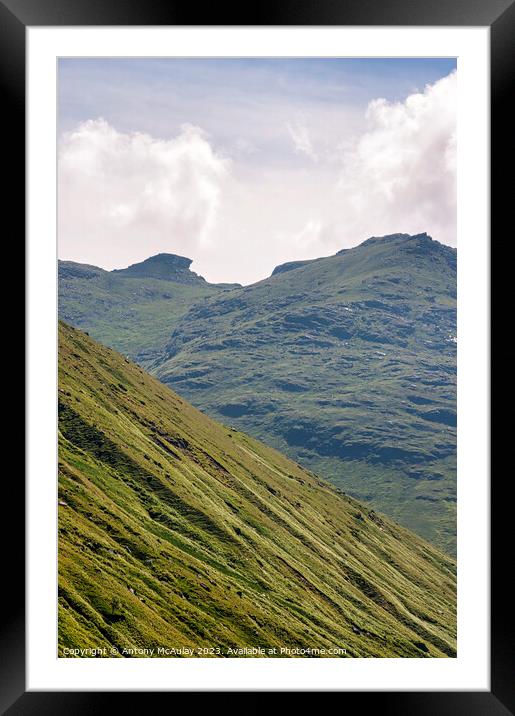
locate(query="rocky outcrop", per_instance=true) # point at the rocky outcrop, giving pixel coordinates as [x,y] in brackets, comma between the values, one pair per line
[169,267]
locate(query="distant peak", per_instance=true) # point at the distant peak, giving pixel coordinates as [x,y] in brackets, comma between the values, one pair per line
[290,266]
[170,259]
[168,267]
[389,238]
[161,260]
[415,245]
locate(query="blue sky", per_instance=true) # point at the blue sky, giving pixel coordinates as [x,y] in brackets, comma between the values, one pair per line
[250,136]
[158,96]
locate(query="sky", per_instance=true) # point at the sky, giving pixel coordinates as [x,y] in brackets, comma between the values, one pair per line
[244,164]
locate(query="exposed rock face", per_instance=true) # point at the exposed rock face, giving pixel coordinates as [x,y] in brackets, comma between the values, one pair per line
[72,270]
[169,267]
[289,266]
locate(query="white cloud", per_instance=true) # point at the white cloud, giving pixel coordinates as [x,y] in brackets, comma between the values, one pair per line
[244,147]
[300,136]
[307,238]
[397,175]
[401,173]
[124,197]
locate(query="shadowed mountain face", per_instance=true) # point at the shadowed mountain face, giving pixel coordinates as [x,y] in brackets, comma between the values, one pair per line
[132,309]
[346,364]
[177,532]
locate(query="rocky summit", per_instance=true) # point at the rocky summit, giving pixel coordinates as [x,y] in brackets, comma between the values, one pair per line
[168,267]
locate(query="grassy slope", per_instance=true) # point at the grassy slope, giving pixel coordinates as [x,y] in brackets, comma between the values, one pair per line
[133,314]
[209,538]
[346,364]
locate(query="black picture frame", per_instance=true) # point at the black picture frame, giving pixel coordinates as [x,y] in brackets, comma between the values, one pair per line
[499,15]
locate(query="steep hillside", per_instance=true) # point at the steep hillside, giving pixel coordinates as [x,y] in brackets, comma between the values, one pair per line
[345,363]
[177,532]
[135,309]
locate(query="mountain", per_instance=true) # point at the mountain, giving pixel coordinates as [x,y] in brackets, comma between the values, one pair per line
[346,364]
[132,309]
[178,532]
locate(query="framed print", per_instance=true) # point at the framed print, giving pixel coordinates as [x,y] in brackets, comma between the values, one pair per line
[258,257]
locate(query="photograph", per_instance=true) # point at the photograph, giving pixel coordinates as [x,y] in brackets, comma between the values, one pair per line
[258,253]
[257,263]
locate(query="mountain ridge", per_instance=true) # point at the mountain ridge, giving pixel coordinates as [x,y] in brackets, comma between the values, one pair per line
[133,308]
[387,238]
[163,266]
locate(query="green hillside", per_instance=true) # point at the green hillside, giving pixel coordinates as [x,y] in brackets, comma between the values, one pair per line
[178,532]
[346,364]
[135,309]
